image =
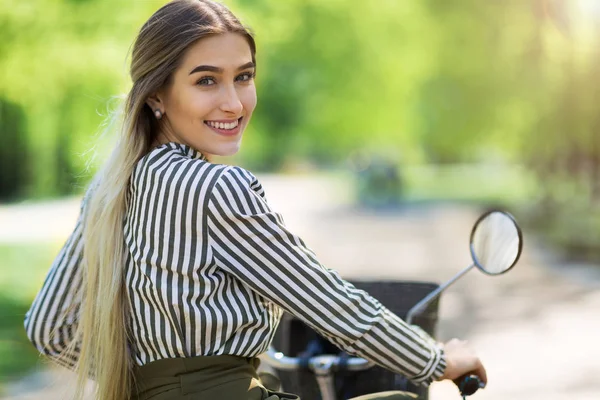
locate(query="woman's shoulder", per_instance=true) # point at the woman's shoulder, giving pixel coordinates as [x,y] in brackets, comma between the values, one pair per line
[240,179]
[182,168]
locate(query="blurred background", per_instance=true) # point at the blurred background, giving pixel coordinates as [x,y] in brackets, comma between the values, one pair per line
[408,118]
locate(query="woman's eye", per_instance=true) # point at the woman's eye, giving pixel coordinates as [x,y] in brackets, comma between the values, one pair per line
[246,76]
[206,81]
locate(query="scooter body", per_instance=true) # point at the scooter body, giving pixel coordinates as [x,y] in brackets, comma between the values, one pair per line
[295,339]
[311,367]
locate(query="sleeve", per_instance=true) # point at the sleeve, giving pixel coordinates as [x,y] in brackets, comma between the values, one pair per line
[52,320]
[251,242]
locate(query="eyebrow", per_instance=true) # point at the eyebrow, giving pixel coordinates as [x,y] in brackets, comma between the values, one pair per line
[210,68]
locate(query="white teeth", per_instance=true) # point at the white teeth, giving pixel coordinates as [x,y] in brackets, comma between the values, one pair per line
[221,125]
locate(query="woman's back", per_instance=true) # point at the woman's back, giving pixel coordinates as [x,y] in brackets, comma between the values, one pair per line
[181,303]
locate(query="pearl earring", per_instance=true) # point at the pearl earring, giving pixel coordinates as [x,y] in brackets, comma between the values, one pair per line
[158,114]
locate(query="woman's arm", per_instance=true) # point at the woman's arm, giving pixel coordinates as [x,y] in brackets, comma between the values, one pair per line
[251,242]
[51,321]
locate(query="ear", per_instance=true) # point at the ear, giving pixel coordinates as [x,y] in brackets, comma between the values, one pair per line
[155,103]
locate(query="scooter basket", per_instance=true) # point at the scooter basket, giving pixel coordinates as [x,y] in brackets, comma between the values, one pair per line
[293,337]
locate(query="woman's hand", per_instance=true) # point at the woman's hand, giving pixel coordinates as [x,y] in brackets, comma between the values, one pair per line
[461,360]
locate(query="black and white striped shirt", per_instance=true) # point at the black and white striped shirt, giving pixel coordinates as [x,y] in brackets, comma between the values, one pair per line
[210,269]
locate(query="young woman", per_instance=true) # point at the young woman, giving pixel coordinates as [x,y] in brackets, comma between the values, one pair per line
[177,272]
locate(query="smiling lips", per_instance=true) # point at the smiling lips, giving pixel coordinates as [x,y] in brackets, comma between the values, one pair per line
[225,127]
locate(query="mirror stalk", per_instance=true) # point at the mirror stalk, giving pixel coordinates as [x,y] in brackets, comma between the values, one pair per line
[431,296]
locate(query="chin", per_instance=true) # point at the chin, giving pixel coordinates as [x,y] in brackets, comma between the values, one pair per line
[228,152]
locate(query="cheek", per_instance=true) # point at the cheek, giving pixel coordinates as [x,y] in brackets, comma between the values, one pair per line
[193,103]
[248,98]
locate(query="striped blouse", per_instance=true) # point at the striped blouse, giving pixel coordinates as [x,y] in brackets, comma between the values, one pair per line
[210,269]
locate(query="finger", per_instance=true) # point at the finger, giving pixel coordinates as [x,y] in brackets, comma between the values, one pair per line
[481,373]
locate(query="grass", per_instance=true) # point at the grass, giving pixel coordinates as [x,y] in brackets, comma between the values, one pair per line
[489,185]
[469,183]
[23,268]
[571,226]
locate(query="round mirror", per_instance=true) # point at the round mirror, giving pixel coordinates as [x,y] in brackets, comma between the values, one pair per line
[496,242]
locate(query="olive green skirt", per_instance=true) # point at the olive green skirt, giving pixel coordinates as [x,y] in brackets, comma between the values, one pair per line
[206,378]
[215,377]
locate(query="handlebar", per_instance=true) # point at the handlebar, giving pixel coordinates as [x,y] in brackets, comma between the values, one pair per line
[322,364]
[468,384]
[325,364]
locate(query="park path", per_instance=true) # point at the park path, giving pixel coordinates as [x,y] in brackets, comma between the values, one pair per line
[536,327]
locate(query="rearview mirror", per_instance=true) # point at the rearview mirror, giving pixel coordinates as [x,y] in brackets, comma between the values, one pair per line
[496,242]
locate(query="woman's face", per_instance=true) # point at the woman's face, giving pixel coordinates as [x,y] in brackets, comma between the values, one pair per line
[211,96]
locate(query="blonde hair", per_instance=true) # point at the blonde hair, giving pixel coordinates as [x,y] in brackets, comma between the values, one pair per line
[102,334]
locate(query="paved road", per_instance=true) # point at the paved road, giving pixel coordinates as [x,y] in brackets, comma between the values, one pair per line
[535,327]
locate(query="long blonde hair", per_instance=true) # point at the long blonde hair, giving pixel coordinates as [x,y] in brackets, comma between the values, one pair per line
[102,335]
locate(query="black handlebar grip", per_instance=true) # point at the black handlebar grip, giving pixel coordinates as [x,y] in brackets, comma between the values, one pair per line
[468,384]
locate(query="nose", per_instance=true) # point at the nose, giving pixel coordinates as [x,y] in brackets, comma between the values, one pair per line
[231,101]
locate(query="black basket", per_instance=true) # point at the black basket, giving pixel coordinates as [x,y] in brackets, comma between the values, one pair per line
[293,336]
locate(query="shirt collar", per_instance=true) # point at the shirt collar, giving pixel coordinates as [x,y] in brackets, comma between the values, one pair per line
[186,150]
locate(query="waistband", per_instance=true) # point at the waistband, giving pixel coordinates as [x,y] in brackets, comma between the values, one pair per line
[195,375]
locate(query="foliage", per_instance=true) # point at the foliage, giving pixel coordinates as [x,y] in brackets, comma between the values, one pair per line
[13,151]
[440,81]
[23,270]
